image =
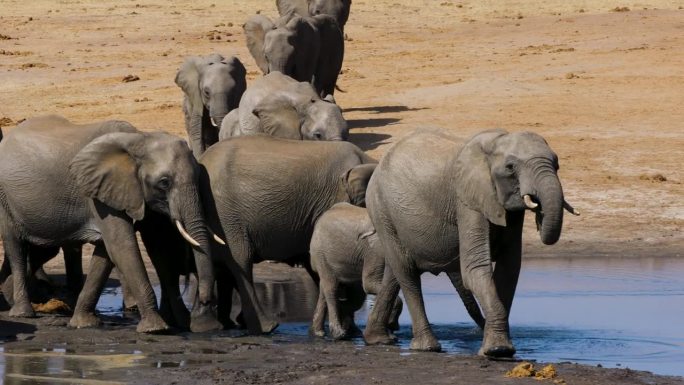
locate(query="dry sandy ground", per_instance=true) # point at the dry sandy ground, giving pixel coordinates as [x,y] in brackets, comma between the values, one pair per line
[601,80]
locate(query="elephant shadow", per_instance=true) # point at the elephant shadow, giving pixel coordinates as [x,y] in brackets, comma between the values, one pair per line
[10,329]
[372,122]
[383,109]
[368,141]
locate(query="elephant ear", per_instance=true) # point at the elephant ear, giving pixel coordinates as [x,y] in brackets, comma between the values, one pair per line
[255,31]
[278,117]
[187,78]
[355,182]
[106,170]
[473,179]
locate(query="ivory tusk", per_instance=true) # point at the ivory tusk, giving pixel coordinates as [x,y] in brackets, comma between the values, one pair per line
[570,209]
[185,234]
[216,237]
[213,122]
[529,203]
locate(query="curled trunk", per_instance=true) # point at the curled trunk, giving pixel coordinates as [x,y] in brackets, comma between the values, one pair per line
[550,196]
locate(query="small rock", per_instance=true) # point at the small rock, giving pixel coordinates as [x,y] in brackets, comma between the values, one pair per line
[620,9]
[130,78]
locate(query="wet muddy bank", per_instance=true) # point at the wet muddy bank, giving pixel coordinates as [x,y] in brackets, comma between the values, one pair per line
[116,354]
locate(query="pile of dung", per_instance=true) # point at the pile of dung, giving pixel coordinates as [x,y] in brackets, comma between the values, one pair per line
[53,306]
[526,369]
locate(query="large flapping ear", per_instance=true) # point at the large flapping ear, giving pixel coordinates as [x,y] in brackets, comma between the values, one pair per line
[187,78]
[106,170]
[255,31]
[355,181]
[472,177]
[278,117]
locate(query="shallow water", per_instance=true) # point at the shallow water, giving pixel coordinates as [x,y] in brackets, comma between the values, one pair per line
[613,312]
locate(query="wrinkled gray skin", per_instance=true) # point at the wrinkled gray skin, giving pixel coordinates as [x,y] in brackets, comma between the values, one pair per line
[346,255]
[309,49]
[280,106]
[213,86]
[62,183]
[338,9]
[438,209]
[266,194]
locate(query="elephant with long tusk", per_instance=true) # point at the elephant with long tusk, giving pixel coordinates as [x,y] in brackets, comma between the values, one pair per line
[63,183]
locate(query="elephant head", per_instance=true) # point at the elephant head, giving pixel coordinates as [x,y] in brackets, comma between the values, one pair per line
[355,182]
[299,113]
[289,45]
[338,9]
[497,171]
[213,86]
[132,171]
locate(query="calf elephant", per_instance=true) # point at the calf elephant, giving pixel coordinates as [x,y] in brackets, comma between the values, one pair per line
[348,257]
[437,208]
[62,183]
[213,86]
[280,106]
[266,194]
[338,9]
[309,49]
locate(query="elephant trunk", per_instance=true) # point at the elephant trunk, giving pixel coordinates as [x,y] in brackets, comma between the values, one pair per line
[190,220]
[218,109]
[550,196]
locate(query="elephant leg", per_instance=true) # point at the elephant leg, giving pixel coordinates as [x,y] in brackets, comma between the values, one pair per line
[467,297]
[98,272]
[241,266]
[372,282]
[74,267]
[318,323]
[17,252]
[356,296]
[508,259]
[224,295]
[330,289]
[376,331]
[476,266]
[423,338]
[130,304]
[122,246]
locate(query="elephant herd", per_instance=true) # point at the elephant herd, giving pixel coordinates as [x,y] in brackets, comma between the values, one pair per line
[267,174]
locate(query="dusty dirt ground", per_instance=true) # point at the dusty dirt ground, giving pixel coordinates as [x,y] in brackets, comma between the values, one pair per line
[601,80]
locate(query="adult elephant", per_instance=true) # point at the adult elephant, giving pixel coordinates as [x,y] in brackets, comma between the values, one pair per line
[309,49]
[338,9]
[266,194]
[213,86]
[280,106]
[438,209]
[62,183]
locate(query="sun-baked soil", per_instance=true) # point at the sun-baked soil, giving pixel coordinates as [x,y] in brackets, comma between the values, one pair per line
[601,80]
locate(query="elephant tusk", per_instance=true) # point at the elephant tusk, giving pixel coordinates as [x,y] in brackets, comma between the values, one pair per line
[216,237]
[213,122]
[185,234]
[570,209]
[528,202]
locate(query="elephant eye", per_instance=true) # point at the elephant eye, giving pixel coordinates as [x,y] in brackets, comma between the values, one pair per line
[164,183]
[510,168]
[318,135]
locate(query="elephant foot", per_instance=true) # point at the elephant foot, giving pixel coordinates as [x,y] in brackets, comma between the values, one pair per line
[267,327]
[378,338]
[84,320]
[152,323]
[426,343]
[316,332]
[206,322]
[497,346]
[22,310]
[337,332]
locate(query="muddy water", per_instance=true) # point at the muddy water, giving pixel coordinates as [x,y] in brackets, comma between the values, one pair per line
[617,313]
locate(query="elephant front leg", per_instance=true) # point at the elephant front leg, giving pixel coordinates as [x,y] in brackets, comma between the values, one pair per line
[74,267]
[476,266]
[17,253]
[241,266]
[84,311]
[122,246]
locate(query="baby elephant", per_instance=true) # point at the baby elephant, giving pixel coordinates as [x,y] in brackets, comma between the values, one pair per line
[346,254]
